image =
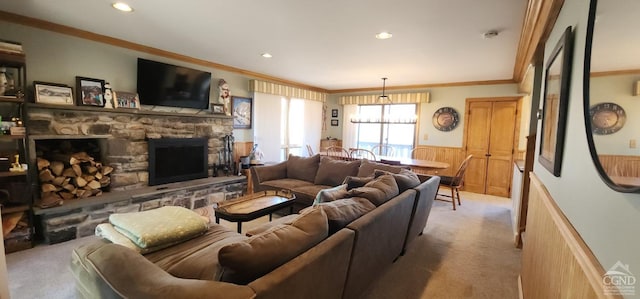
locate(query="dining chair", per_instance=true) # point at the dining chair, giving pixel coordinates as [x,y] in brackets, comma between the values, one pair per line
[309,150]
[455,182]
[361,153]
[423,153]
[338,152]
[383,150]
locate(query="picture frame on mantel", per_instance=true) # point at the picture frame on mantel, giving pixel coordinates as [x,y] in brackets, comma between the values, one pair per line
[53,93]
[125,99]
[241,109]
[89,92]
[555,104]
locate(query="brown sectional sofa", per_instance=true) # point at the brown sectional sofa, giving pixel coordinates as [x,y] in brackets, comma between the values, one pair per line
[341,265]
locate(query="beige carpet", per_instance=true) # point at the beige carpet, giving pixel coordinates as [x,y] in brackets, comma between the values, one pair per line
[466,253]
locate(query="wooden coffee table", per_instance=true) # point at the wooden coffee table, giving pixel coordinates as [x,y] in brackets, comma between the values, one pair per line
[254,206]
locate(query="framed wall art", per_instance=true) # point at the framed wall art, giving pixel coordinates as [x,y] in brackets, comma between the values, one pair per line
[124,99]
[334,112]
[334,122]
[241,111]
[555,102]
[52,93]
[89,92]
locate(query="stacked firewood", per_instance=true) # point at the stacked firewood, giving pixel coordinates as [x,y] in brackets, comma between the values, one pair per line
[71,176]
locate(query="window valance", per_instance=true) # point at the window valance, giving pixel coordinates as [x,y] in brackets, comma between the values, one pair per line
[396,98]
[286,91]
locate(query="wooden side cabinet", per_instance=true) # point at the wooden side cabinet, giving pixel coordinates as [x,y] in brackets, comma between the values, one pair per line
[324,143]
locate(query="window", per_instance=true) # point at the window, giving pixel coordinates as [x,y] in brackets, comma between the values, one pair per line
[398,135]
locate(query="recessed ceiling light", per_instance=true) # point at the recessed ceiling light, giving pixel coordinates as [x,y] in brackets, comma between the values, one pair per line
[266,55]
[490,34]
[384,35]
[121,6]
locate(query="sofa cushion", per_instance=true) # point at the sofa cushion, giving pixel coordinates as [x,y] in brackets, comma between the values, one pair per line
[244,262]
[305,195]
[406,179]
[368,167]
[331,194]
[332,171]
[341,212]
[286,184]
[356,181]
[271,172]
[303,168]
[378,191]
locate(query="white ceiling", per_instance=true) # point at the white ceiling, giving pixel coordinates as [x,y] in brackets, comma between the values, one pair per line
[327,44]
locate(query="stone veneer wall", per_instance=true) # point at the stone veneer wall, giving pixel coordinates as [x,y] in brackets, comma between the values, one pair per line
[125,133]
[79,222]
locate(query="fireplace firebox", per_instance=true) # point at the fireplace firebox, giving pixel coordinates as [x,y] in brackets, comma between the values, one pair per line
[177,159]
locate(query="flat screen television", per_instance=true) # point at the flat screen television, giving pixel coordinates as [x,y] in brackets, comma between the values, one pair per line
[177,159]
[162,84]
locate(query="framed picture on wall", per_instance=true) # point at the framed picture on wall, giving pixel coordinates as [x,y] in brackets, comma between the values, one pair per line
[89,92]
[241,112]
[555,102]
[334,112]
[334,122]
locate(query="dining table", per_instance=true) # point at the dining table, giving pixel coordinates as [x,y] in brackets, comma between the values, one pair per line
[417,165]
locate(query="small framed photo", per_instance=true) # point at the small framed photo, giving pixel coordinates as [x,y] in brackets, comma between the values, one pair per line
[334,122]
[52,93]
[90,92]
[217,108]
[334,112]
[125,99]
[241,111]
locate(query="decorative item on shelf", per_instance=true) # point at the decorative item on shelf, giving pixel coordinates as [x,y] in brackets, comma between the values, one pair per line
[125,99]
[607,118]
[242,109]
[6,81]
[18,129]
[52,93]
[16,166]
[89,92]
[217,109]
[108,96]
[446,119]
[224,97]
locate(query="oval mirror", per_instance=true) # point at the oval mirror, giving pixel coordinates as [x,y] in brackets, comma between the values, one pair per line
[612,92]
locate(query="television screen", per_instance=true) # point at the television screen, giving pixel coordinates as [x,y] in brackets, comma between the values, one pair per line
[164,84]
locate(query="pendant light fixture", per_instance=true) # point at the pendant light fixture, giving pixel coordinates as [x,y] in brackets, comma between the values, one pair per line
[383,98]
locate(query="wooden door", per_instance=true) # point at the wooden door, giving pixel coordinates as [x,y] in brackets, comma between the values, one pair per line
[491,139]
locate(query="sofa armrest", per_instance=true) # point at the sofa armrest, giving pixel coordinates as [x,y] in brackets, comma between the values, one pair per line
[130,275]
[427,192]
[265,173]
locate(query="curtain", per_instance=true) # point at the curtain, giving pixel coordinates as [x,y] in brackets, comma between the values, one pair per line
[267,133]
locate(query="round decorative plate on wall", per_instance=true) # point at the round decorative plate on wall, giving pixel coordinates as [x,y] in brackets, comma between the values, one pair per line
[607,118]
[445,119]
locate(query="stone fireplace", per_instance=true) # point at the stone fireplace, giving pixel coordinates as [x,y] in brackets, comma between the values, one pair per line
[119,139]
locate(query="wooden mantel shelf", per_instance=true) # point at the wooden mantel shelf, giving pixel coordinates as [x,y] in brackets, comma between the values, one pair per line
[200,114]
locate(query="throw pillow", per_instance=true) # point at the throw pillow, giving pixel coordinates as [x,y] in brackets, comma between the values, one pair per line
[244,262]
[406,179]
[355,182]
[331,194]
[303,168]
[378,191]
[332,172]
[368,167]
[344,211]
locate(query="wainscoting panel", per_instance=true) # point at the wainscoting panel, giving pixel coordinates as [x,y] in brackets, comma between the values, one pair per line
[241,149]
[556,263]
[628,166]
[452,155]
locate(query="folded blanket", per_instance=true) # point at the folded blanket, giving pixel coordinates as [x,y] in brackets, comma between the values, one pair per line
[107,231]
[165,225]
